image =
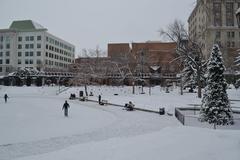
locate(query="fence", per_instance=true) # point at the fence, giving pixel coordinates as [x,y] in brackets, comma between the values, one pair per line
[190,117]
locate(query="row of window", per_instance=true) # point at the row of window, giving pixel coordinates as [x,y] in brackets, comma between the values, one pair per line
[230,34]
[7,61]
[55,49]
[7,46]
[57,43]
[31,54]
[7,54]
[54,56]
[29,46]
[29,38]
[29,61]
[52,63]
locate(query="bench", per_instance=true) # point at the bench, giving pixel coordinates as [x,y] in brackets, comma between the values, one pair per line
[104,102]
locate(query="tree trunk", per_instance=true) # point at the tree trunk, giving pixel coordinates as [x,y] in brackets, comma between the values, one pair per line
[199,84]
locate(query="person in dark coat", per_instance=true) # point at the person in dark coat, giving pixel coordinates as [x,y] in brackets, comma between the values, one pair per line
[99,99]
[65,108]
[6,97]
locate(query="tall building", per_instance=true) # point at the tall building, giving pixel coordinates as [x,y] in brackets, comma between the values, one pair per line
[28,44]
[214,21]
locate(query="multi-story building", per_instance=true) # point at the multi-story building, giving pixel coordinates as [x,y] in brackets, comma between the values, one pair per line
[161,54]
[28,44]
[214,21]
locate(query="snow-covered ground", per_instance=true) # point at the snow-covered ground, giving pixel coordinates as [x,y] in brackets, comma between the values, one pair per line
[33,127]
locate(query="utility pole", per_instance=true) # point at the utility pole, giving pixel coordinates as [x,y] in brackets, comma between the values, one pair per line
[142,63]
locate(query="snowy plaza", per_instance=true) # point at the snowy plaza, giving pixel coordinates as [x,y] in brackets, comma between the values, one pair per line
[33,126]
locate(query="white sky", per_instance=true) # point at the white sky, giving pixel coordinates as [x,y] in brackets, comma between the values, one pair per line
[88,23]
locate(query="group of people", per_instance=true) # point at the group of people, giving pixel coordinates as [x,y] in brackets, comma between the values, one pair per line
[66,106]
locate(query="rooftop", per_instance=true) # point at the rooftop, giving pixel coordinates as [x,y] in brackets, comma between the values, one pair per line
[26,25]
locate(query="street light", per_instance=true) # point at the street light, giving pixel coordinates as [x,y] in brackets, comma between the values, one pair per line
[237,14]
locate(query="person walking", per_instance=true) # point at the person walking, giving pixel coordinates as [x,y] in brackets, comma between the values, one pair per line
[65,108]
[99,99]
[5,98]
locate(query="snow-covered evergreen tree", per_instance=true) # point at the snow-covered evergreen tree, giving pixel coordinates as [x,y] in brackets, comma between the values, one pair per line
[215,107]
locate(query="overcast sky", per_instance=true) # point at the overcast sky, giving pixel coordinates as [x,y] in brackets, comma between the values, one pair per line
[88,23]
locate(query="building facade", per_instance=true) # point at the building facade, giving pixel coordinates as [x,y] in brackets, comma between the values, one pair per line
[214,22]
[28,44]
[158,54]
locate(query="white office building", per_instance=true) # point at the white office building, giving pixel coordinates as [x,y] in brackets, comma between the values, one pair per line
[28,44]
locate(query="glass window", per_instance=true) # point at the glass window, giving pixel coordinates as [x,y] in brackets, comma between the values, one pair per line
[27,38]
[217,15]
[31,38]
[39,38]
[26,61]
[19,61]
[7,54]
[26,54]
[1,46]
[38,53]
[19,54]
[1,54]
[46,54]
[31,54]
[26,46]
[19,46]
[31,61]
[39,61]
[229,14]
[7,61]
[233,34]
[38,45]
[8,45]
[32,46]
[19,39]
[0,69]
[0,61]
[1,38]
[218,34]
[46,46]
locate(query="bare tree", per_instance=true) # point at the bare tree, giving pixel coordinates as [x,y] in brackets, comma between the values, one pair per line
[189,51]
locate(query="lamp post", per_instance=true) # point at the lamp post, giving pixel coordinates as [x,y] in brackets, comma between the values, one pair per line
[237,14]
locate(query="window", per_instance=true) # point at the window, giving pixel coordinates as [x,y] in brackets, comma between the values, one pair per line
[233,34]
[233,44]
[1,38]
[26,61]
[27,38]
[1,54]
[26,46]
[39,38]
[7,54]
[47,39]
[217,15]
[31,61]
[19,54]
[218,34]
[31,38]
[19,46]
[31,54]
[0,69]
[7,45]
[38,45]
[19,61]
[32,46]
[38,53]
[47,45]
[7,61]
[46,54]
[26,54]
[1,46]
[39,61]
[19,39]
[228,44]
[1,61]
[229,14]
